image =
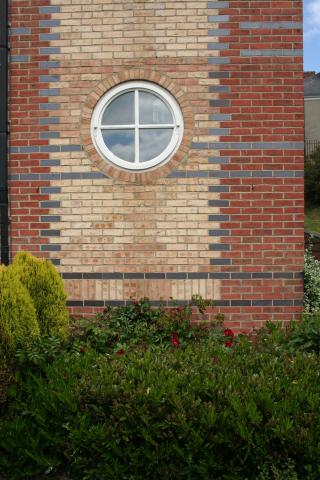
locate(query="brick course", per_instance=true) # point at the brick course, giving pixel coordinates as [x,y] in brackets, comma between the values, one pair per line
[224,217]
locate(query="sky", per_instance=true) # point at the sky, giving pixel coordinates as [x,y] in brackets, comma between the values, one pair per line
[311,35]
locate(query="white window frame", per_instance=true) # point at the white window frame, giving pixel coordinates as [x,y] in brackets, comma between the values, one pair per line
[137,86]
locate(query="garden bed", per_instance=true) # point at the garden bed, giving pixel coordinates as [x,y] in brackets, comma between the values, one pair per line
[140,393]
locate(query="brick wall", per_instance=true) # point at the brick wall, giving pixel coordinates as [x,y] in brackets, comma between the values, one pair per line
[225,218]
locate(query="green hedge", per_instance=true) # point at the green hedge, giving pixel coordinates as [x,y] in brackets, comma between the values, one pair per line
[203,412]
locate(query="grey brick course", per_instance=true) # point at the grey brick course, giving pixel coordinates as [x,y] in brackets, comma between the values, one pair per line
[50,233]
[49,50]
[19,58]
[218,18]
[20,31]
[270,25]
[49,78]
[218,5]
[47,37]
[50,9]
[219,89]
[218,46]
[49,120]
[45,135]
[219,218]
[49,106]
[218,32]
[219,74]
[50,248]
[219,232]
[219,188]
[49,190]
[218,60]
[50,204]
[49,92]
[49,23]
[49,64]
[50,218]
[219,131]
[271,53]
[219,247]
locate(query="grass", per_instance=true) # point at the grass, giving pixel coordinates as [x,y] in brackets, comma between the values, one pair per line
[312,219]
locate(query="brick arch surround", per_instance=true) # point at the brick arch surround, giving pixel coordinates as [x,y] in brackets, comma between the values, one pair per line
[164,81]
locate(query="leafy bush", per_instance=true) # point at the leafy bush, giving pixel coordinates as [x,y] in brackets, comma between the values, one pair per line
[39,353]
[47,292]
[311,282]
[305,335]
[204,412]
[286,472]
[18,320]
[140,325]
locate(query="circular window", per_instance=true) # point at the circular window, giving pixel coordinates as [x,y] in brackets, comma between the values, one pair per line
[137,125]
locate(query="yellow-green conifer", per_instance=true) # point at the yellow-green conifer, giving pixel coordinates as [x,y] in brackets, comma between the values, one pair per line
[18,319]
[46,288]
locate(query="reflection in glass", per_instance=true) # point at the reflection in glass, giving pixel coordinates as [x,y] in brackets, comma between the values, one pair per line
[153,141]
[120,111]
[153,110]
[120,143]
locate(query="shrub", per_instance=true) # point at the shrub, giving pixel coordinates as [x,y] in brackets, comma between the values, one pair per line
[40,352]
[206,412]
[140,325]
[18,320]
[305,335]
[286,472]
[311,282]
[139,393]
[47,292]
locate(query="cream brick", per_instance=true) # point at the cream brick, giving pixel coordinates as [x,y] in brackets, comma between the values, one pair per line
[109,225]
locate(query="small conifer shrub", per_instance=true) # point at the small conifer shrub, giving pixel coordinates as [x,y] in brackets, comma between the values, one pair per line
[18,319]
[46,289]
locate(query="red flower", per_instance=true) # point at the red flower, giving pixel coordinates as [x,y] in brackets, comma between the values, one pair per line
[229,343]
[82,349]
[179,309]
[228,333]
[175,340]
[120,352]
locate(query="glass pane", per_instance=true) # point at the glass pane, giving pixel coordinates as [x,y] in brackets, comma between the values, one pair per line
[120,111]
[153,141]
[120,142]
[153,110]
